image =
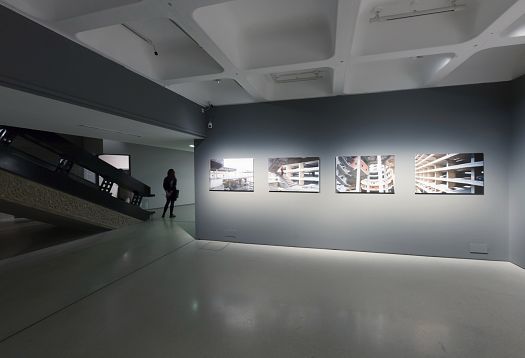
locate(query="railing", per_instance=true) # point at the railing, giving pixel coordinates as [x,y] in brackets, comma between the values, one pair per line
[56,162]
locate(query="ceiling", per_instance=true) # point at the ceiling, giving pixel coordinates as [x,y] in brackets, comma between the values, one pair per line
[243,51]
[26,110]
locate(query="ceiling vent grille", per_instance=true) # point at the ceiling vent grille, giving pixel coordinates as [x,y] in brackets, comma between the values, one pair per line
[301,76]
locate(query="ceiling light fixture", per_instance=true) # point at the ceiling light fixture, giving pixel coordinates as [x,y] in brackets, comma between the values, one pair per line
[192,146]
[453,7]
[142,37]
[297,76]
[109,130]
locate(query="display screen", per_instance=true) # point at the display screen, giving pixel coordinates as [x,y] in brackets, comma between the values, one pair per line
[457,173]
[365,174]
[294,174]
[234,174]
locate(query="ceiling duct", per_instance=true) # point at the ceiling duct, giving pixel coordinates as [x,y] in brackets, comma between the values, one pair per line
[302,76]
[452,7]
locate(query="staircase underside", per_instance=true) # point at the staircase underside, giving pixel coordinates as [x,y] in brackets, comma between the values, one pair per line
[25,198]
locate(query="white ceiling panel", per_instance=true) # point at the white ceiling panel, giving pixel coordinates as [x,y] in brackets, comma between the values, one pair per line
[255,34]
[394,74]
[358,46]
[157,48]
[216,92]
[490,65]
[54,10]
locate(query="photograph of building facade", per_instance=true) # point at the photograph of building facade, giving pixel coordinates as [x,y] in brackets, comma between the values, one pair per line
[294,174]
[231,174]
[365,174]
[457,173]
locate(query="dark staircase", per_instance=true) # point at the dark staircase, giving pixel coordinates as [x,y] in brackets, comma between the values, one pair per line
[47,178]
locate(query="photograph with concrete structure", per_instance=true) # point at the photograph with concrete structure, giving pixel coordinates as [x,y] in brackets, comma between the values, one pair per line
[294,174]
[366,174]
[231,174]
[450,173]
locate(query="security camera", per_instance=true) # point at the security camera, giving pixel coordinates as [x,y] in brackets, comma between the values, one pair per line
[210,125]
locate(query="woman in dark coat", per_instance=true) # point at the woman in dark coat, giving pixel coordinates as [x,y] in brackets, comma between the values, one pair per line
[170,186]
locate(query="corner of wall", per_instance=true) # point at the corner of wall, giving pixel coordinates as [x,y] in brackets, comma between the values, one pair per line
[516,200]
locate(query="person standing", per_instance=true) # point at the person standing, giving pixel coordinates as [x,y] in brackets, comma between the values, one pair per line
[170,186]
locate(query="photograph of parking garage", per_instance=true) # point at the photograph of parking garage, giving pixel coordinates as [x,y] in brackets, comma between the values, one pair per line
[234,174]
[365,174]
[450,173]
[294,174]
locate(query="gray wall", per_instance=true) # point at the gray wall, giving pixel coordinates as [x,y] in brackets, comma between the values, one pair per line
[443,120]
[43,62]
[150,164]
[516,176]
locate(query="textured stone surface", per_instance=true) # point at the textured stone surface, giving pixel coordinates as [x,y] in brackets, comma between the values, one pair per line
[23,192]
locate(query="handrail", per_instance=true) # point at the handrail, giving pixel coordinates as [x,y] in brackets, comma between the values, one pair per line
[19,166]
[71,152]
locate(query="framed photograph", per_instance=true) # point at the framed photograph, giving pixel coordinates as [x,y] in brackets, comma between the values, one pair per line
[456,173]
[235,174]
[294,174]
[365,174]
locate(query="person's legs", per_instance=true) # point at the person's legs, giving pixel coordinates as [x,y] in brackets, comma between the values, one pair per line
[172,205]
[166,207]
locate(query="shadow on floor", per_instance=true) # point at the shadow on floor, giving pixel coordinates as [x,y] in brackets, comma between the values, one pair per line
[185,217]
[22,236]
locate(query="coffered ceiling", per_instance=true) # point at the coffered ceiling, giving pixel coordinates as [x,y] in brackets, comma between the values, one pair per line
[242,51]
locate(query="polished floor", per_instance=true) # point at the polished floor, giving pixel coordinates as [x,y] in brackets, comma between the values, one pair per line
[21,236]
[151,290]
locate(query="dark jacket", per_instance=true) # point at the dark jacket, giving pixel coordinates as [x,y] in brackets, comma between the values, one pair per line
[170,184]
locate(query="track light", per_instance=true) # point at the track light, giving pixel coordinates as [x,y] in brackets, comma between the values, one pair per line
[453,7]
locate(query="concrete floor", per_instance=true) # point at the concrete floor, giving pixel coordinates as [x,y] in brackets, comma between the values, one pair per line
[23,236]
[153,291]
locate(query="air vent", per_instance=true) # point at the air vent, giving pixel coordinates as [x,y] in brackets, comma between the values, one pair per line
[479,248]
[302,76]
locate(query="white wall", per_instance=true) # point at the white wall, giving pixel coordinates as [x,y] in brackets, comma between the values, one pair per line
[150,165]
[516,180]
[469,119]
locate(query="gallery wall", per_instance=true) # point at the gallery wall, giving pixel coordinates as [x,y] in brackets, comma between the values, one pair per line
[516,176]
[466,119]
[150,165]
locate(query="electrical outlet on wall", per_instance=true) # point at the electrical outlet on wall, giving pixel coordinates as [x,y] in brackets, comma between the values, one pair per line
[479,248]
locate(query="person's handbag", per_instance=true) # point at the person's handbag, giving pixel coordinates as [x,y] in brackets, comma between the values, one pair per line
[176,194]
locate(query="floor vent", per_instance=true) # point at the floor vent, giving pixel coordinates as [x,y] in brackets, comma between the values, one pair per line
[479,248]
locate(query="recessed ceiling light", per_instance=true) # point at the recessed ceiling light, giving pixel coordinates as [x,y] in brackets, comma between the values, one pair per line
[192,146]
